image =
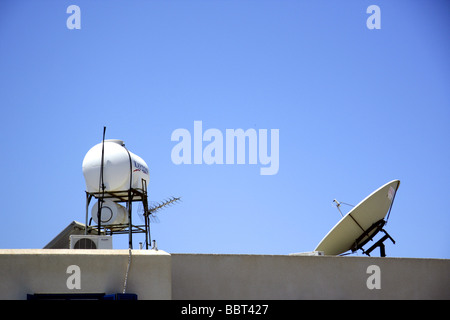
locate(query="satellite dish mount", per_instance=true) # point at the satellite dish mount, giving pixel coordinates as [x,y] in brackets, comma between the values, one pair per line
[376,227]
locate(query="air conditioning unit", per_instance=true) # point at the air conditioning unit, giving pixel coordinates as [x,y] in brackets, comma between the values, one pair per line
[90,242]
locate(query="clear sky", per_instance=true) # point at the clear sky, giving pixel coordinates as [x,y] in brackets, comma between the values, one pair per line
[355,108]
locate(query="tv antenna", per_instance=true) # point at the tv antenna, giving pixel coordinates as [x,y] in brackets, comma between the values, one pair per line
[153,209]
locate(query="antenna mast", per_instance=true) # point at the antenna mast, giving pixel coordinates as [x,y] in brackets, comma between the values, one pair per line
[101,184]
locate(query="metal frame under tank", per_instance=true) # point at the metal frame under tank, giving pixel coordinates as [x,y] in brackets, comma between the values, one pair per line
[124,196]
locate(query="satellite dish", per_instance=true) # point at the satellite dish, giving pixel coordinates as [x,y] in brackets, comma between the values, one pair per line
[362,223]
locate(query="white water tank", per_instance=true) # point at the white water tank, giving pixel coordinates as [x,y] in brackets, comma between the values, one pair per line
[111,213]
[119,165]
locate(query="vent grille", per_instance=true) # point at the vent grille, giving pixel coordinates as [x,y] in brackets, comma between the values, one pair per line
[85,244]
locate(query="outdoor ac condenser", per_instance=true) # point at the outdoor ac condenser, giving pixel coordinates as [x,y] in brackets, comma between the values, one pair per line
[90,242]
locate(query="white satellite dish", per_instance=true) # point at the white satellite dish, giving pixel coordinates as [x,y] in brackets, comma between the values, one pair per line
[361,223]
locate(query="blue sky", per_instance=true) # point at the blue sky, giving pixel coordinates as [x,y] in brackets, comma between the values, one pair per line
[355,108]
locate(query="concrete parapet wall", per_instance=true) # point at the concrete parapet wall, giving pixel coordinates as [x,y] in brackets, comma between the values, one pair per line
[207,276]
[159,275]
[30,271]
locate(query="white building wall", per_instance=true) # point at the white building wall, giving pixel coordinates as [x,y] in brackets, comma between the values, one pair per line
[207,276]
[30,271]
[159,275]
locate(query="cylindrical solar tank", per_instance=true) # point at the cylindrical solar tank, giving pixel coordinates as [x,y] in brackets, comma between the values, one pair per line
[119,165]
[111,213]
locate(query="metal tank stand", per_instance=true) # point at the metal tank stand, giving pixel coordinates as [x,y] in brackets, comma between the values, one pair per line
[128,197]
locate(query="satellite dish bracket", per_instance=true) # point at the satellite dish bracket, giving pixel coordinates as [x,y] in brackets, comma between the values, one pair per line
[377,226]
[380,244]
